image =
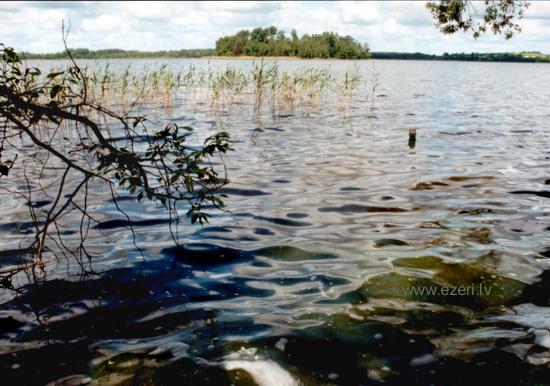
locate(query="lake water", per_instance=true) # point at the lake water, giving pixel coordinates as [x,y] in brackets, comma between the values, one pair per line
[334,223]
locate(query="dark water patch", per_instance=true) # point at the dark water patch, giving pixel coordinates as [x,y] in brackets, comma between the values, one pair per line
[113,224]
[350,189]
[387,198]
[9,324]
[289,253]
[207,254]
[297,215]
[456,132]
[213,229]
[142,369]
[38,204]
[537,293]
[118,286]
[547,182]
[284,221]
[477,211]
[410,114]
[545,253]
[521,131]
[257,130]
[243,192]
[21,227]
[212,232]
[124,310]
[503,367]
[263,232]
[128,303]
[389,242]
[123,198]
[274,129]
[275,220]
[285,115]
[15,256]
[545,194]
[348,351]
[281,181]
[45,364]
[354,208]
[247,238]
[25,187]
[326,281]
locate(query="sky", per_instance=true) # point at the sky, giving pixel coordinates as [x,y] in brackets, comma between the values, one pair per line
[152,26]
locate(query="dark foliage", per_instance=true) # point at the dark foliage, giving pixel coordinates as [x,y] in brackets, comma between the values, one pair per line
[271,42]
[497,16]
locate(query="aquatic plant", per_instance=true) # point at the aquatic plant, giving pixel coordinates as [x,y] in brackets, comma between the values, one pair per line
[262,75]
[373,83]
[281,91]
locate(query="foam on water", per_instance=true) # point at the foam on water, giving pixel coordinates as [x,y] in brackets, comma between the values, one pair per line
[265,373]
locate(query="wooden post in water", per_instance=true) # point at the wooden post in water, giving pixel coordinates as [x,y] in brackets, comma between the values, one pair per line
[412,138]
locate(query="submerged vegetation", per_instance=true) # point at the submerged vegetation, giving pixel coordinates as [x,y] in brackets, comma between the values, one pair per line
[272,42]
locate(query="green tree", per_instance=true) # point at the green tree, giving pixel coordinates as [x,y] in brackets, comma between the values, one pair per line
[497,16]
[270,41]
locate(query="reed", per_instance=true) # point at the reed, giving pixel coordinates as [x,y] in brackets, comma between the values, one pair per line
[263,85]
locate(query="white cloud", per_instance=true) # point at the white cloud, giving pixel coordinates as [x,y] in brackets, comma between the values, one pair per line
[385,26]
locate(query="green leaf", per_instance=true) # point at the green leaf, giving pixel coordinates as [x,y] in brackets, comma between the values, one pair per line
[54,91]
[53,75]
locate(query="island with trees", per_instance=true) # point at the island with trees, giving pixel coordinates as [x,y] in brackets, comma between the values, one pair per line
[273,42]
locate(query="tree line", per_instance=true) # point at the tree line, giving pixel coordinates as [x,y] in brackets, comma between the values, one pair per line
[272,42]
[470,57]
[115,53]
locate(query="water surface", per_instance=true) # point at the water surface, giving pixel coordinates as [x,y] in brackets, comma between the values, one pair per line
[333,217]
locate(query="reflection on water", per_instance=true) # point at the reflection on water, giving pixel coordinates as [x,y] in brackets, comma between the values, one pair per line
[333,221]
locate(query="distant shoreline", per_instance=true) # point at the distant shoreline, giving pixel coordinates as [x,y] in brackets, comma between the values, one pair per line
[246,57]
[522,57]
